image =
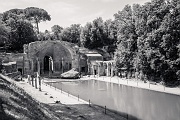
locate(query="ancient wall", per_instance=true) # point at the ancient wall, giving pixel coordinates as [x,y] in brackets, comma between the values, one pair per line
[63,54]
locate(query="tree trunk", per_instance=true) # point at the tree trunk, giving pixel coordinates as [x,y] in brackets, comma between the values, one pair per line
[37,27]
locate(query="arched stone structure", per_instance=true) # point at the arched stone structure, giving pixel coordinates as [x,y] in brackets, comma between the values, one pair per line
[53,56]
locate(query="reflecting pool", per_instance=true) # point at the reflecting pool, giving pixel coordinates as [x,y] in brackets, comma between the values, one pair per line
[141,103]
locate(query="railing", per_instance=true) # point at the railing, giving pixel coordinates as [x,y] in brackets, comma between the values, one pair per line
[90,103]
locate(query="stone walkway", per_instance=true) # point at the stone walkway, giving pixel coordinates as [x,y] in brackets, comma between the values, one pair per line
[47,94]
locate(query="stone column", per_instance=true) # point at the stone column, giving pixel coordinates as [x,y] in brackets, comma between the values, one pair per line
[35,78]
[103,67]
[107,74]
[98,70]
[38,66]
[32,66]
[23,66]
[69,65]
[42,66]
[93,70]
[62,67]
[59,69]
[112,68]
[29,79]
[49,66]
[53,65]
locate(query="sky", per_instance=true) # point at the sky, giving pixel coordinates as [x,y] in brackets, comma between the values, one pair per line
[67,12]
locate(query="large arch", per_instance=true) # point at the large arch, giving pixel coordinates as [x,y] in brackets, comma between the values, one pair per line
[63,56]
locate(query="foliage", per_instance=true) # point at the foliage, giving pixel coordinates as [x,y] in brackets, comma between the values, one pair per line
[36,15]
[85,35]
[127,36]
[4,34]
[148,39]
[17,28]
[22,34]
[71,34]
[56,29]
[99,35]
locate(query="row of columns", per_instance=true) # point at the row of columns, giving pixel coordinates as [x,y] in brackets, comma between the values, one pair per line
[35,81]
[101,67]
[39,66]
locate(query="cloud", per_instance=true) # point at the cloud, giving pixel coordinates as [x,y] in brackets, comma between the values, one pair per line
[7,6]
[71,19]
[86,18]
[67,12]
[62,7]
[61,13]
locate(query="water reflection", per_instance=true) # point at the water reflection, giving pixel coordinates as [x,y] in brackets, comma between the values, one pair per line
[142,103]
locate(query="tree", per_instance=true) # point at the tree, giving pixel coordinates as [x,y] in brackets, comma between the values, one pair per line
[100,35]
[14,14]
[41,36]
[127,37]
[47,35]
[92,34]
[148,39]
[23,34]
[4,35]
[110,36]
[20,30]
[72,33]
[56,29]
[97,35]
[36,15]
[85,36]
